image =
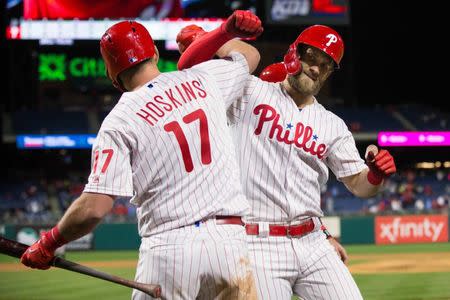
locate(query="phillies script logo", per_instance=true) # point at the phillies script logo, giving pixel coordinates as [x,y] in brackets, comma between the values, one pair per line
[301,137]
[411,229]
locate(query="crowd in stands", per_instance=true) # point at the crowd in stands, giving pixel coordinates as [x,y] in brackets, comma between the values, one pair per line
[408,191]
[45,202]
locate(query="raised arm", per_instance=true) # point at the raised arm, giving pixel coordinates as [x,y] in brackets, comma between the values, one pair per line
[241,24]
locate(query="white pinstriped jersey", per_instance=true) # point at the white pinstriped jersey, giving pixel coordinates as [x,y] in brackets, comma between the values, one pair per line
[168,146]
[284,152]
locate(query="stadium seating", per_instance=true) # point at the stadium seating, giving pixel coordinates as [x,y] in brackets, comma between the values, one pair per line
[425,118]
[364,119]
[49,122]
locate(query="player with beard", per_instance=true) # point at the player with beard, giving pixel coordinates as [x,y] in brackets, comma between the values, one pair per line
[286,142]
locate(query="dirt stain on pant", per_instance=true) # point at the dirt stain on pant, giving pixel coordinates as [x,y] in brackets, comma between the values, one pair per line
[241,287]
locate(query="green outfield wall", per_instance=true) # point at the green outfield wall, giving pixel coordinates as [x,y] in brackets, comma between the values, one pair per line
[350,230]
[116,236]
[357,230]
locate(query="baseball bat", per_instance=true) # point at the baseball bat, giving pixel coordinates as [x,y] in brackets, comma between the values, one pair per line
[16,249]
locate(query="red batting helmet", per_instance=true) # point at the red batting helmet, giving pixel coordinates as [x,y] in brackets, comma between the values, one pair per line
[124,45]
[319,36]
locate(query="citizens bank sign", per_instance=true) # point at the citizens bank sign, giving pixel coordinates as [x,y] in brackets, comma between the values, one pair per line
[60,67]
[411,229]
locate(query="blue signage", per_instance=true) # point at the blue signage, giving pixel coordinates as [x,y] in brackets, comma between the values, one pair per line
[55,141]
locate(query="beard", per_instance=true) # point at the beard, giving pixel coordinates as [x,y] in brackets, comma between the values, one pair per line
[304,85]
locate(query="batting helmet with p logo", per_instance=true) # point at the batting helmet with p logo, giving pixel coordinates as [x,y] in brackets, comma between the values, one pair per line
[319,36]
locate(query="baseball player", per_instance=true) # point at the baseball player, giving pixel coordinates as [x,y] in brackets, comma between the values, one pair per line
[166,144]
[273,73]
[286,141]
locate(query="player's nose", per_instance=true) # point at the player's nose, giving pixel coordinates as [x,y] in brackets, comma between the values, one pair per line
[314,70]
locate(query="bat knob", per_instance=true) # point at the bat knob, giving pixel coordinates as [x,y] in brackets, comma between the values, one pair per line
[158,292]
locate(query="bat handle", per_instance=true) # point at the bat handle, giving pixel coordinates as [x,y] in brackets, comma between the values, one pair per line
[153,290]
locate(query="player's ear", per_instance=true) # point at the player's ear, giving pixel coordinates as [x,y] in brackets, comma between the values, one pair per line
[156,55]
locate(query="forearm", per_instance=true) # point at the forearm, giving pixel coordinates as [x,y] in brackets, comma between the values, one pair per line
[250,53]
[198,46]
[217,43]
[80,218]
[203,49]
[360,186]
[83,215]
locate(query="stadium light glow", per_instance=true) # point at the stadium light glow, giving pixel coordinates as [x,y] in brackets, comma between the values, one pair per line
[425,165]
[414,138]
[60,30]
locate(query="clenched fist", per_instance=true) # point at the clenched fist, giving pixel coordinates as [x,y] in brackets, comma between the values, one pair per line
[40,254]
[381,164]
[242,24]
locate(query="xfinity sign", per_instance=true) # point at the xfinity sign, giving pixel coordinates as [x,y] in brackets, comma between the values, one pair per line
[411,229]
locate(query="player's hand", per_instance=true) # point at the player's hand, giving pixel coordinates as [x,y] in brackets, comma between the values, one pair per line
[381,164]
[39,255]
[339,249]
[243,24]
[274,73]
[187,35]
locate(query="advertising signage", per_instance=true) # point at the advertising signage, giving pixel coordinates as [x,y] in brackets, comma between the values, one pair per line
[411,229]
[307,12]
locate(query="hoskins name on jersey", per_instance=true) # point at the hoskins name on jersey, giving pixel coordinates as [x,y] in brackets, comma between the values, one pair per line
[301,137]
[173,97]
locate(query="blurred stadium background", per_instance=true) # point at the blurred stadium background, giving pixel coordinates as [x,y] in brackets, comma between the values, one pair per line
[56,95]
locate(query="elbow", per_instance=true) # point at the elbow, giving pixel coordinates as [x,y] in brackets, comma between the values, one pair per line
[95,207]
[257,57]
[358,192]
[254,59]
[363,193]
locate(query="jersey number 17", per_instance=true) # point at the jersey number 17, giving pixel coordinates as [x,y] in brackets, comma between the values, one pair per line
[205,147]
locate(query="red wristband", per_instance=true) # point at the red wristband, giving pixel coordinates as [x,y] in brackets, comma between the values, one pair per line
[54,239]
[373,178]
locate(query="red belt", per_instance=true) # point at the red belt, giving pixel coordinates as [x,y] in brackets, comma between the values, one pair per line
[283,230]
[229,220]
[222,220]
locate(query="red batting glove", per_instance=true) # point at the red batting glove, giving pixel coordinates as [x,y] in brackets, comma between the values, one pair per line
[40,254]
[187,35]
[274,73]
[381,166]
[242,24]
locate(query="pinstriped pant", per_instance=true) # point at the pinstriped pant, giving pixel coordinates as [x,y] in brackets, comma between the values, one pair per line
[208,261]
[308,267]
